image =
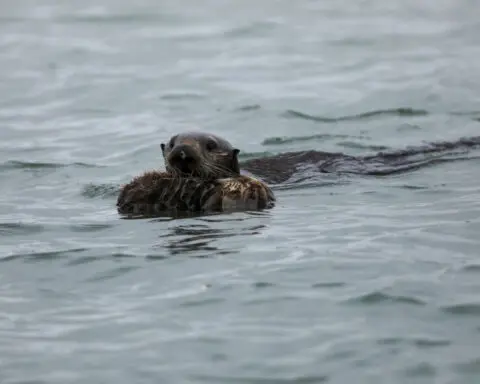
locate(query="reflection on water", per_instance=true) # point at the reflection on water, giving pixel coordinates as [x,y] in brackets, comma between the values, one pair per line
[200,240]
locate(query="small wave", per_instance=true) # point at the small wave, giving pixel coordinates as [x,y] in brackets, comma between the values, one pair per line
[422,369]
[89,227]
[156,257]
[255,28]
[472,366]
[332,284]
[317,379]
[475,115]
[43,256]
[28,165]
[403,112]
[262,284]
[412,187]
[112,273]
[202,302]
[419,342]
[11,229]
[249,107]
[105,191]
[463,144]
[309,182]
[472,268]
[431,343]
[110,18]
[261,301]
[380,297]
[92,258]
[393,169]
[390,341]
[463,309]
[408,127]
[182,96]
[355,145]
[82,260]
[296,139]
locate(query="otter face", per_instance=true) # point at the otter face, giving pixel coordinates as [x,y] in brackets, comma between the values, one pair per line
[201,155]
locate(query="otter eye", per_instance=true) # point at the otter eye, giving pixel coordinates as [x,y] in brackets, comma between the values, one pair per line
[211,145]
[172,142]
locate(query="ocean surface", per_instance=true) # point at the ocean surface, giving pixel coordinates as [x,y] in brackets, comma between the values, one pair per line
[350,279]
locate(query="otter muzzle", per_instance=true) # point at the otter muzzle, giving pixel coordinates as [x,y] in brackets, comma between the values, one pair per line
[183,158]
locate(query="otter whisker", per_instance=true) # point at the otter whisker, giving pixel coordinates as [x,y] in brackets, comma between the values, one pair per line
[210,167]
[218,170]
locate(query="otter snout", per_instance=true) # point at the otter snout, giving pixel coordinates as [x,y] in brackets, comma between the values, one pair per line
[183,158]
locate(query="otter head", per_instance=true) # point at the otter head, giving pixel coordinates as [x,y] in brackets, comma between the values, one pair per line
[200,155]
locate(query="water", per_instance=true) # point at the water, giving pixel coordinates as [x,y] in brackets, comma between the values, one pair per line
[353,279]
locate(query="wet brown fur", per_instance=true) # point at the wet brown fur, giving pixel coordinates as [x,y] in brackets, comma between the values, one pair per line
[217,187]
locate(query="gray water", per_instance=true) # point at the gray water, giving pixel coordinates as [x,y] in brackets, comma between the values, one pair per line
[354,280]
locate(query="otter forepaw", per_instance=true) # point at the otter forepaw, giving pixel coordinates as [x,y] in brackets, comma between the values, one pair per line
[245,193]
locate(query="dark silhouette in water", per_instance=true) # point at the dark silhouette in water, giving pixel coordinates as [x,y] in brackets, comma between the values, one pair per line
[280,168]
[202,175]
[199,180]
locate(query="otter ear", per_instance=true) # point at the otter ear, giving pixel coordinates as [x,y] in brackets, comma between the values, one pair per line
[235,165]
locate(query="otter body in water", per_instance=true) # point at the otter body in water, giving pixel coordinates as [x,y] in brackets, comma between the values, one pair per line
[280,168]
[202,175]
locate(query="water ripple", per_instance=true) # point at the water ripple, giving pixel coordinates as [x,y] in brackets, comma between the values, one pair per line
[472,268]
[111,273]
[250,107]
[378,297]
[332,284]
[417,342]
[20,229]
[90,227]
[472,366]
[421,370]
[263,380]
[43,256]
[202,302]
[295,139]
[86,259]
[199,239]
[121,19]
[356,145]
[465,309]
[402,112]
[14,164]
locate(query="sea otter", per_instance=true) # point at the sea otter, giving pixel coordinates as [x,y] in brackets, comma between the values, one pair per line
[202,175]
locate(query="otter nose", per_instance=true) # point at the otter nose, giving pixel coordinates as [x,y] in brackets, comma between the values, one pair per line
[182,152]
[184,158]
